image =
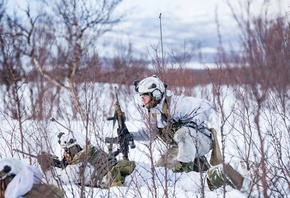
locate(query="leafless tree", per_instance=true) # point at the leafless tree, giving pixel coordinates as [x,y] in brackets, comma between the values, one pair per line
[260,72]
[60,39]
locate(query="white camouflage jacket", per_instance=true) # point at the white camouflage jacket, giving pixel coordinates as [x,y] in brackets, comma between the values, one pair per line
[181,108]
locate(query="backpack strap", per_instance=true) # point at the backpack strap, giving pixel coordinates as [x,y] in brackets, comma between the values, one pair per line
[165,109]
[4,183]
[166,105]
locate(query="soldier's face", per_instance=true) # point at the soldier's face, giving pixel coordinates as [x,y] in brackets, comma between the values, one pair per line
[147,101]
[67,156]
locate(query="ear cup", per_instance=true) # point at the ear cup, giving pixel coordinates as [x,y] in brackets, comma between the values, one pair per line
[156,94]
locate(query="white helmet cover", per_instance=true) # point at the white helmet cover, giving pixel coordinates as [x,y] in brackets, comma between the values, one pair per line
[73,138]
[9,166]
[152,85]
[25,176]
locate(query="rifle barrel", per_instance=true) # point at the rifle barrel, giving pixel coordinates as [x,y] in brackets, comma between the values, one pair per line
[19,151]
[54,120]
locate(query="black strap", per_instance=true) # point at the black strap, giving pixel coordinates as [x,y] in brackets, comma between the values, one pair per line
[6,181]
[202,129]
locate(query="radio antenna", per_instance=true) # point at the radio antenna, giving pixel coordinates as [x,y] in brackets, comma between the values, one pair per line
[162,56]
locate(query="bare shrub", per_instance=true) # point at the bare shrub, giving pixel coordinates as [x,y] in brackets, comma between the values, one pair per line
[258,76]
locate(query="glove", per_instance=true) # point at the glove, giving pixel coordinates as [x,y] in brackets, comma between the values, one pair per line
[45,161]
[177,166]
[111,161]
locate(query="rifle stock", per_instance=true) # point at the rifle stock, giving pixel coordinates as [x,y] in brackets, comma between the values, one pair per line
[56,161]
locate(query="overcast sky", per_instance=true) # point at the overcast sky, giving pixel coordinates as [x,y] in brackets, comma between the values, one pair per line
[182,21]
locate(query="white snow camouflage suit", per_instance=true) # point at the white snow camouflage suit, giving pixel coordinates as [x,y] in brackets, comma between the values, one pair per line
[181,122]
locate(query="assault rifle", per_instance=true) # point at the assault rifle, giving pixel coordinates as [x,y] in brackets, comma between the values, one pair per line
[125,138]
[55,160]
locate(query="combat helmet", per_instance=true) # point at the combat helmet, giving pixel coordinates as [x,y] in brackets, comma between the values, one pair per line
[151,85]
[70,143]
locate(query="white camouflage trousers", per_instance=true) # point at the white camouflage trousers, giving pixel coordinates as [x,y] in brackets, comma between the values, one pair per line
[191,144]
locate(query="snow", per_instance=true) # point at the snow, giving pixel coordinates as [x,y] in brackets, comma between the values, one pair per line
[146,180]
[140,184]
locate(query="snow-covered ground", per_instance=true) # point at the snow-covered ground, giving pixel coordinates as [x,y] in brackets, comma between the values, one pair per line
[146,180]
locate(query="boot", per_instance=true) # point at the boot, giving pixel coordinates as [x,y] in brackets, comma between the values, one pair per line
[201,164]
[234,177]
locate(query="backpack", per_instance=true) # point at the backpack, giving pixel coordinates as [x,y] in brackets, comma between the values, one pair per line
[45,191]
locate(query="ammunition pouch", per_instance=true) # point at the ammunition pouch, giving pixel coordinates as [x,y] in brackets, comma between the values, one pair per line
[167,134]
[200,164]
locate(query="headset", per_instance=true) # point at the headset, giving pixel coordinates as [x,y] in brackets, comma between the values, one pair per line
[156,93]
